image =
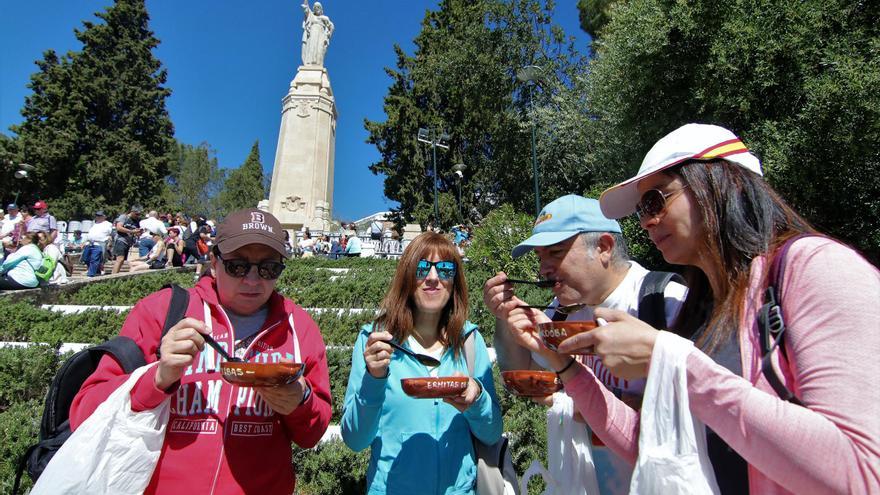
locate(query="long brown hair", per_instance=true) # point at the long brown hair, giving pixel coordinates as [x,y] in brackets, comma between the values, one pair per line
[743,217]
[396,314]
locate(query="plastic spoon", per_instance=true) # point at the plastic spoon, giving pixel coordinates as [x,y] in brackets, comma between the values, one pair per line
[426,360]
[544,284]
[566,309]
[213,343]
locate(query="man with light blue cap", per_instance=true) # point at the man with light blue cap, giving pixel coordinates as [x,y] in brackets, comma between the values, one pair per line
[584,254]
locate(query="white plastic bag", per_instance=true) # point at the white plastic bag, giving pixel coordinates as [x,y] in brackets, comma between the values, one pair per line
[569,458]
[672,444]
[114,451]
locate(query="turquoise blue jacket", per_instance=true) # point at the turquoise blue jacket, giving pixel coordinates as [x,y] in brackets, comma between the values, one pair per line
[418,445]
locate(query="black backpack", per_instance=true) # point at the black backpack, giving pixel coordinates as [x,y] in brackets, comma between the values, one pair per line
[652,302]
[55,424]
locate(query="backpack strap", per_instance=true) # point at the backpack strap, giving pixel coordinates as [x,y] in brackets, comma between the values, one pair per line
[652,301]
[176,309]
[771,324]
[469,352]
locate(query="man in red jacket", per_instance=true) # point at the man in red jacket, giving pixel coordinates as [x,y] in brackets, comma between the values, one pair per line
[222,438]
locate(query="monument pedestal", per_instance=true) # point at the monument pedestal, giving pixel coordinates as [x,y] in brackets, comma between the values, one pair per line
[302,179]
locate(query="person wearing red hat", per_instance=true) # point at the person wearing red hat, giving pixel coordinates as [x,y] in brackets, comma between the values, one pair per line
[777,339]
[220,437]
[42,221]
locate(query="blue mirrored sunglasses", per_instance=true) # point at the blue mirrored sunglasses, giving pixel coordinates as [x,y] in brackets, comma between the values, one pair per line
[445,269]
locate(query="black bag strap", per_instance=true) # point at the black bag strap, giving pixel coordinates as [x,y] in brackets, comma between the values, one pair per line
[124,349]
[176,309]
[652,301]
[771,323]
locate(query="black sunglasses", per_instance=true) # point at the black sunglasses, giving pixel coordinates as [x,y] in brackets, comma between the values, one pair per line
[268,270]
[654,202]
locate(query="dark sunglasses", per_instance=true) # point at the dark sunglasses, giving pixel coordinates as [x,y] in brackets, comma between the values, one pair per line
[445,269]
[654,202]
[269,270]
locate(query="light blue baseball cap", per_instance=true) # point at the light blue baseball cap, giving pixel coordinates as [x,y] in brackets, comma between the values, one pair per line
[565,217]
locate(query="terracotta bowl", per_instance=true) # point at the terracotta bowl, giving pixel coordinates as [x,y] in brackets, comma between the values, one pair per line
[554,332]
[261,374]
[531,383]
[434,388]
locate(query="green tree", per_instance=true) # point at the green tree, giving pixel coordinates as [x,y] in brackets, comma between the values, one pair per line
[244,187]
[96,126]
[462,80]
[594,15]
[195,181]
[796,80]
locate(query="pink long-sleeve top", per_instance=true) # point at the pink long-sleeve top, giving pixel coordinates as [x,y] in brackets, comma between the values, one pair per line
[831,306]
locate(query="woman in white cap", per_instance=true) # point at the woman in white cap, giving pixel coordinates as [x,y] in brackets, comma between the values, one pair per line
[803,420]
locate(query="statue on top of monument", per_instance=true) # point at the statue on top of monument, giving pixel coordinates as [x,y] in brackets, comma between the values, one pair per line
[317,30]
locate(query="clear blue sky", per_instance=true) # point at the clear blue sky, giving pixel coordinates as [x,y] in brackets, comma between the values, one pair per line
[230,62]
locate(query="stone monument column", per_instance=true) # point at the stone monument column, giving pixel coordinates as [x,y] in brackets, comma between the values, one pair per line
[302,178]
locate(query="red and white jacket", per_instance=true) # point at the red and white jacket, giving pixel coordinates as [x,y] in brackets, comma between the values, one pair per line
[221,438]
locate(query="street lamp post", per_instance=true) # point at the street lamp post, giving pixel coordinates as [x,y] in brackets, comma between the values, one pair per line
[459,169]
[533,74]
[434,139]
[21,174]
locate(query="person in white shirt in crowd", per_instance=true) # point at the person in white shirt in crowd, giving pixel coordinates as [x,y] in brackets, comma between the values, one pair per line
[307,245]
[155,258]
[96,243]
[7,229]
[10,219]
[150,225]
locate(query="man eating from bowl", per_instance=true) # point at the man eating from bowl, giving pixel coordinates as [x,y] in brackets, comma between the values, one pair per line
[585,254]
[224,438]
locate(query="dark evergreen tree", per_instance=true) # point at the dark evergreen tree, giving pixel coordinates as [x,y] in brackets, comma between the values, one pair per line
[244,186]
[462,80]
[96,126]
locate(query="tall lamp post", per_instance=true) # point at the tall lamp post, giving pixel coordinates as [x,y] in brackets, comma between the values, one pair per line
[459,169]
[21,174]
[533,74]
[434,139]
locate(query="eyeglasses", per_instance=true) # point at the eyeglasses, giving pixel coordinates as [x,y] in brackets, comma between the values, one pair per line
[268,270]
[654,202]
[445,269]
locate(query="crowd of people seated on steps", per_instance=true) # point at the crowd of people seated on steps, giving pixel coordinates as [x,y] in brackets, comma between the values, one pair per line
[160,239]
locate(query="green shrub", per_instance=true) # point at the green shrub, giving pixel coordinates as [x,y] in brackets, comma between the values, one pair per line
[26,323]
[25,373]
[20,319]
[19,427]
[125,291]
[331,468]
[339,365]
[342,328]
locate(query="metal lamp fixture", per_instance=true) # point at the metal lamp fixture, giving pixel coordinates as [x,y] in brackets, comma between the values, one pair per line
[533,74]
[435,141]
[459,169]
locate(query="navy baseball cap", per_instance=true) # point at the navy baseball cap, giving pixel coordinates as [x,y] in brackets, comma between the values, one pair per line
[563,218]
[11,206]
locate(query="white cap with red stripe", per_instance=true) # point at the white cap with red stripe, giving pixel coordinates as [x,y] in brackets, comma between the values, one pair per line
[688,142]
